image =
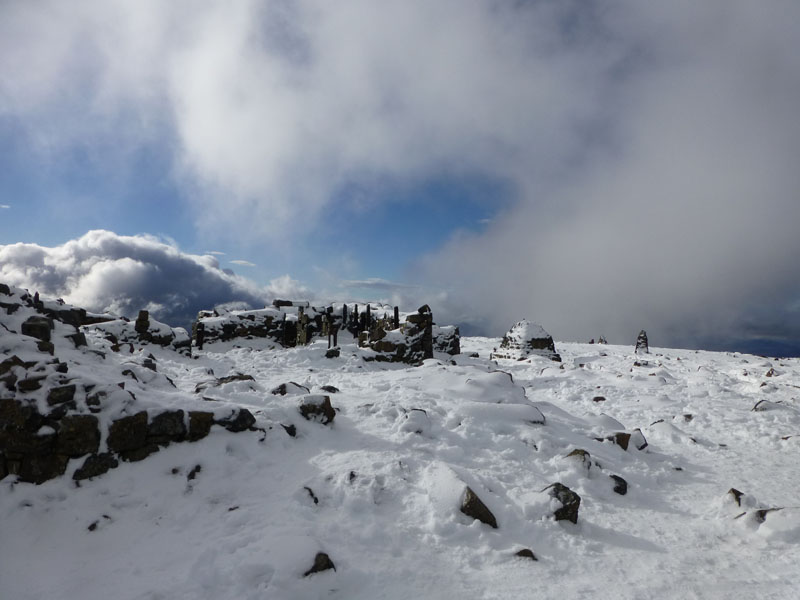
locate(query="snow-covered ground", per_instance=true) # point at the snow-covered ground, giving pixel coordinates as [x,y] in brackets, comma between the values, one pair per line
[379,489]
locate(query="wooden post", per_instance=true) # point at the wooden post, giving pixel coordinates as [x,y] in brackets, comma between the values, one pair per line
[368,319]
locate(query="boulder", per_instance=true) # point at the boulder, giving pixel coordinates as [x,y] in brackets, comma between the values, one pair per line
[570,502]
[240,420]
[526,553]
[61,395]
[78,435]
[128,433]
[200,423]
[620,485]
[526,339]
[38,327]
[166,427]
[472,506]
[96,465]
[38,469]
[316,407]
[322,562]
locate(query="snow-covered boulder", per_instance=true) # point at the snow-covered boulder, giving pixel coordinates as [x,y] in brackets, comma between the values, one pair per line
[526,339]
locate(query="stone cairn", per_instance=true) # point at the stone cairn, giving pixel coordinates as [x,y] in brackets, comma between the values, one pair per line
[641,343]
[526,339]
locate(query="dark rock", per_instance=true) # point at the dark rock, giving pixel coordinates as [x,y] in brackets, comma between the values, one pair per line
[234,377]
[599,399]
[291,430]
[131,374]
[96,465]
[46,347]
[38,327]
[330,389]
[472,506]
[570,502]
[149,363]
[19,414]
[241,420]
[38,469]
[641,343]
[78,339]
[621,439]
[137,454]
[322,562]
[60,395]
[333,353]
[526,553]
[620,485]
[200,423]
[737,496]
[289,388]
[166,427]
[194,472]
[316,407]
[27,442]
[128,433]
[78,435]
[31,384]
[5,290]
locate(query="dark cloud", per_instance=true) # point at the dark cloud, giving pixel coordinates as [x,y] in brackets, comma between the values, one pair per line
[106,272]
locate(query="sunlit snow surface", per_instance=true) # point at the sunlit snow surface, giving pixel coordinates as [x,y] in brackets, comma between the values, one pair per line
[388,480]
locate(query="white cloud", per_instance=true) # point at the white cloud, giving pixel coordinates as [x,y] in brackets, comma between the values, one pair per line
[651,146]
[2,206]
[103,271]
[243,263]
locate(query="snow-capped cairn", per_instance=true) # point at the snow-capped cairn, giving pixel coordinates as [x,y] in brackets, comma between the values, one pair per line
[527,339]
[641,343]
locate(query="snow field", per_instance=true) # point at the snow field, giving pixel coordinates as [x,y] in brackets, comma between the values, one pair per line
[379,488]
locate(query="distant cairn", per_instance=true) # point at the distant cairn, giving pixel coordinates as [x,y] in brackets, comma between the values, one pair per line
[641,343]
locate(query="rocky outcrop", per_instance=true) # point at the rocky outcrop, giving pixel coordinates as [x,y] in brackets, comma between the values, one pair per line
[526,339]
[145,330]
[50,417]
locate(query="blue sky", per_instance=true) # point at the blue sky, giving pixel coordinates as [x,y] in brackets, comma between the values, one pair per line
[600,167]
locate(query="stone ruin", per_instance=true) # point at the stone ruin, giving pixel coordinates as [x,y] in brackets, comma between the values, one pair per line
[378,330]
[526,339]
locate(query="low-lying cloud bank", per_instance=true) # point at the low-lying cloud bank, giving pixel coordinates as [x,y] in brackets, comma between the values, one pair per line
[106,272]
